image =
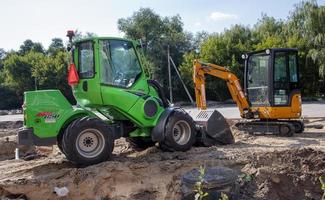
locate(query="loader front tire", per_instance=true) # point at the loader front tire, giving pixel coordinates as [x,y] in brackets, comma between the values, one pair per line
[180,132]
[88,141]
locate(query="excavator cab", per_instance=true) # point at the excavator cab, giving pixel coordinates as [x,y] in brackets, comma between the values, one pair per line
[271,83]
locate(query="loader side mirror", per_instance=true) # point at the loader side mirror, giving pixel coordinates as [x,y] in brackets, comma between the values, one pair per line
[70,35]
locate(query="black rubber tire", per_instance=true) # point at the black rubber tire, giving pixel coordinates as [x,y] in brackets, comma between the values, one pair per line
[139,143]
[170,144]
[286,130]
[59,144]
[299,126]
[69,146]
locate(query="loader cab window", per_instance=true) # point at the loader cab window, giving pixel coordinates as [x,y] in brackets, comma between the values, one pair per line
[257,79]
[86,60]
[119,63]
[285,76]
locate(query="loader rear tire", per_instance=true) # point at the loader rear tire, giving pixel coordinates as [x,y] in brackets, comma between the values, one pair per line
[180,132]
[88,141]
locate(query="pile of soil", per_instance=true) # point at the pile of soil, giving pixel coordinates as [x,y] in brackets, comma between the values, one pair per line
[10,125]
[8,140]
[289,174]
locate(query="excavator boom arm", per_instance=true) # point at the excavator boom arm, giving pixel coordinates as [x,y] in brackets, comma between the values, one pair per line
[233,84]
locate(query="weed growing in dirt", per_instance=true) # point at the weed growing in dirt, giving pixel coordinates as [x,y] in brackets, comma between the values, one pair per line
[200,194]
[246,177]
[322,186]
[224,196]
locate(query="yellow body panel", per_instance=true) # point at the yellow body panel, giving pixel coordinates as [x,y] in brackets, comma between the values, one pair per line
[281,112]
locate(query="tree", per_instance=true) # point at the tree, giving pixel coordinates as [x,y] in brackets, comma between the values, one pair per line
[157,34]
[223,49]
[2,56]
[18,72]
[29,45]
[56,46]
[306,26]
[36,70]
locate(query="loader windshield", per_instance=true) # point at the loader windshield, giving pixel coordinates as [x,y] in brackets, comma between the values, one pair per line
[257,79]
[119,63]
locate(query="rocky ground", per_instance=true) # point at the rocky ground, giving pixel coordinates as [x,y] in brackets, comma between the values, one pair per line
[268,167]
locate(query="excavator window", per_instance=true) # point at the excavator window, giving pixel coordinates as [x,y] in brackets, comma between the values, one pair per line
[257,84]
[285,76]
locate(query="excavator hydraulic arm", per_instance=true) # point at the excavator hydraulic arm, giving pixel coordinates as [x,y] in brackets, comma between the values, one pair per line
[233,84]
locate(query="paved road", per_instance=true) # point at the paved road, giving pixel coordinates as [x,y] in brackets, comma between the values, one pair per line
[229,111]
[11,117]
[308,110]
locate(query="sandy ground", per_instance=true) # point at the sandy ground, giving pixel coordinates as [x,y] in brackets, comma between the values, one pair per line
[268,167]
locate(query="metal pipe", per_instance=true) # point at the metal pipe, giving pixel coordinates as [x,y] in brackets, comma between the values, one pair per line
[180,78]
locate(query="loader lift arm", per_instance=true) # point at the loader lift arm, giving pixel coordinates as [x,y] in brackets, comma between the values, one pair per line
[233,84]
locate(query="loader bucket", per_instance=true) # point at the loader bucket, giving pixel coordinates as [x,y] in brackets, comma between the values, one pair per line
[212,127]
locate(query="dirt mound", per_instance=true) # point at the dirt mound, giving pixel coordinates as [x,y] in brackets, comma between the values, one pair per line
[11,124]
[289,174]
[9,128]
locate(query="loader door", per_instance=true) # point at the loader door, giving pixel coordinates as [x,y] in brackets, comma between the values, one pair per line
[87,92]
[121,78]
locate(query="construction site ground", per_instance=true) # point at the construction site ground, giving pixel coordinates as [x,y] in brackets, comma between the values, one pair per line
[268,167]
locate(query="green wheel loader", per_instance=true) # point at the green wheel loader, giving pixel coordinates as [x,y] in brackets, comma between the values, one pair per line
[115,98]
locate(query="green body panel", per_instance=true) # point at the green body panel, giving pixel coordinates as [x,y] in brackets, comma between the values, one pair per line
[47,111]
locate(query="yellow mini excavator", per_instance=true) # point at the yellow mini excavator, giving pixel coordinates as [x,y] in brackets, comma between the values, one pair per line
[271,98]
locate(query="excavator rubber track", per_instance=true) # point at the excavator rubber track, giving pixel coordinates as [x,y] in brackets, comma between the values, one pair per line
[285,128]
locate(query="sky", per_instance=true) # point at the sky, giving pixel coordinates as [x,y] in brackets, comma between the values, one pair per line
[42,20]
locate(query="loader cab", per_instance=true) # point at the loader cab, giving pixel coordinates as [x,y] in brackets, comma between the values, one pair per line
[105,67]
[111,80]
[272,78]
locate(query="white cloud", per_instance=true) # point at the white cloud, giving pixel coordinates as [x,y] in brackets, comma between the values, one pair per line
[197,24]
[218,16]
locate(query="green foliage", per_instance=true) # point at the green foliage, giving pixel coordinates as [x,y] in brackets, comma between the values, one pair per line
[56,46]
[30,69]
[224,196]
[157,34]
[304,29]
[29,45]
[8,98]
[322,186]
[246,177]
[199,186]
